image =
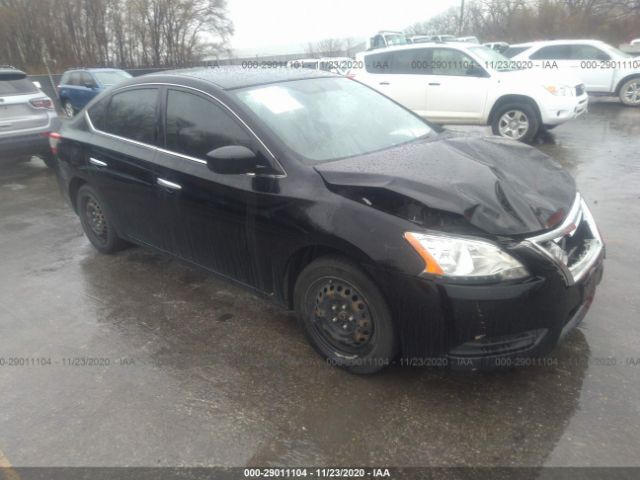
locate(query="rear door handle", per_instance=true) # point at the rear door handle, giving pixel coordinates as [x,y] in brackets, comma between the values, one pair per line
[434,84]
[167,184]
[383,83]
[96,162]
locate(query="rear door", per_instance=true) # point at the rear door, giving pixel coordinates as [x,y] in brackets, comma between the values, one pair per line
[400,74]
[87,90]
[457,87]
[121,161]
[589,64]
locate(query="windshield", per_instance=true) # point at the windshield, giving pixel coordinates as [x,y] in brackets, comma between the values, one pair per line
[396,39]
[493,59]
[112,77]
[330,118]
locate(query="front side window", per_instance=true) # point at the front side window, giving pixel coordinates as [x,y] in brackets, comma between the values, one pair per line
[74,79]
[378,63]
[326,119]
[132,114]
[87,80]
[195,126]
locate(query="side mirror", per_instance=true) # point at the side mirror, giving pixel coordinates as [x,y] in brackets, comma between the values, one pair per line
[90,86]
[232,159]
[38,85]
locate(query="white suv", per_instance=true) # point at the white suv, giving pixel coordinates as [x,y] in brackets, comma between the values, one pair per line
[461,83]
[604,69]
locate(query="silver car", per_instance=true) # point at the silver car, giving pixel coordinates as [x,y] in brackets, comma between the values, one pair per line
[27,116]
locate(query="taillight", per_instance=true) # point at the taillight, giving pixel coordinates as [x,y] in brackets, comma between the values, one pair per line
[43,103]
[54,140]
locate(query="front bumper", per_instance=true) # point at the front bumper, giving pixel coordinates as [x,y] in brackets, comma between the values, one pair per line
[557,110]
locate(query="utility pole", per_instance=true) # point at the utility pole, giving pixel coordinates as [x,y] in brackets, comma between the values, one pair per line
[461,18]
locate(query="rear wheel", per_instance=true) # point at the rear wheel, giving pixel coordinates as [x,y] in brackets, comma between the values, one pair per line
[96,221]
[630,92]
[345,316]
[517,121]
[68,109]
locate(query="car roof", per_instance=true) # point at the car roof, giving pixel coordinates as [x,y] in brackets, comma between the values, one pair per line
[545,43]
[411,46]
[231,77]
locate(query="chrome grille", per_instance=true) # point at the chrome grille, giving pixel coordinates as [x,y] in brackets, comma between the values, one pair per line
[575,245]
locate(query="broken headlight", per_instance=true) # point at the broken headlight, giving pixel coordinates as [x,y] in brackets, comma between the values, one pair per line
[462,258]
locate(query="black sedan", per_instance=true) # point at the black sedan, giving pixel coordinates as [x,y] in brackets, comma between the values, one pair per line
[389,237]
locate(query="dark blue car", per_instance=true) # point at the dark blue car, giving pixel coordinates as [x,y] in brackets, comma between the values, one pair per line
[78,87]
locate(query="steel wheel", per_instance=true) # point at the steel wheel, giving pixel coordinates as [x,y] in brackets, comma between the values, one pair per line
[341,319]
[630,93]
[96,219]
[513,124]
[68,109]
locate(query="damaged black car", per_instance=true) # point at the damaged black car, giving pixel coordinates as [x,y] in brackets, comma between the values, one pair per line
[392,239]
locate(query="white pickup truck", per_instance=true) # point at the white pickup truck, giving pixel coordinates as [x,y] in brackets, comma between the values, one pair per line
[462,83]
[603,69]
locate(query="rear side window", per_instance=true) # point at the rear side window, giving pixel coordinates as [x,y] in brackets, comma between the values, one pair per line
[513,51]
[412,61]
[132,114]
[587,52]
[97,114]
[378,63]
[553,52]
[74,78]
[87,80]
[195,126]
[17,87]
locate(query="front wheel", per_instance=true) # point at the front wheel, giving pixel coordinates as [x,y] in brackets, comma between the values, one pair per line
[345,316]
[630,92]
[96,221]
[517,121]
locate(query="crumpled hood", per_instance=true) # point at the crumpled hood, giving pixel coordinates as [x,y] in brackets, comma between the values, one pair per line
[500,186]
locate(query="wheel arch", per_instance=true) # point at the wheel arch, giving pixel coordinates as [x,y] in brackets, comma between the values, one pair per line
[625,80]
[513,98]
[303,256]
[74,186]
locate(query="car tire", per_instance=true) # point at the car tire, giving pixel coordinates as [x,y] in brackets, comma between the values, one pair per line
[69,111]
[345,316]
[630,92]
[517,121]
[96,221]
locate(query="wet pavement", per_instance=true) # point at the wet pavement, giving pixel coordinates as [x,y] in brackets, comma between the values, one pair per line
[138,360]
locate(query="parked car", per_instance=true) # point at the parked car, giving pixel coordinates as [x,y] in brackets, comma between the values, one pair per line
[635,42]
[387,235]
[78,87]
[385,39]
[500,47]
[461,83]
[470,39]
[432,38]
[26,116]
[603,69]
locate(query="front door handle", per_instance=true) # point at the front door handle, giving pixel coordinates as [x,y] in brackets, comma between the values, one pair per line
[96,162]
[435,84]
[167,184]
[383,83]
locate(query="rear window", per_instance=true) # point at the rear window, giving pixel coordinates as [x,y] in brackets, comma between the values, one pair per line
[513,51]
[16,87]
[110,78]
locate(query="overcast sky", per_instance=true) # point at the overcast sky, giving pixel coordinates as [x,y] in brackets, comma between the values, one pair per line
[260,23]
